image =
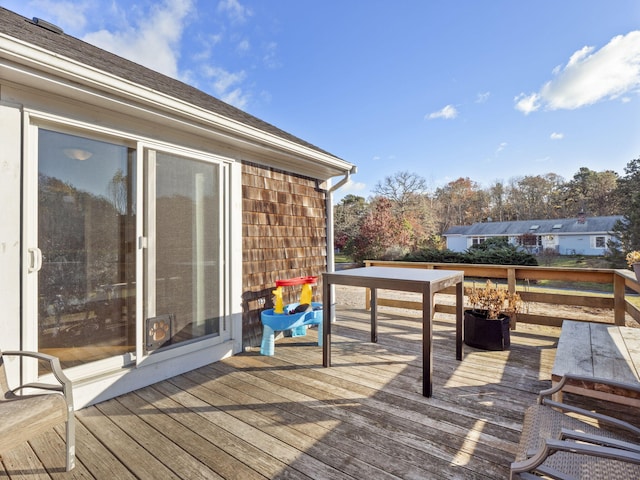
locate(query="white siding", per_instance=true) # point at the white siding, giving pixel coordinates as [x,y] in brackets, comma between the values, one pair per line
[10,188]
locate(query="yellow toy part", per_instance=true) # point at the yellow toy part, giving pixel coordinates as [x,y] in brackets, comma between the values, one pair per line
[279,306]
[306,294]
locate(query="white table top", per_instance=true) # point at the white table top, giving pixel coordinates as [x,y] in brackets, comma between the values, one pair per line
[392,278]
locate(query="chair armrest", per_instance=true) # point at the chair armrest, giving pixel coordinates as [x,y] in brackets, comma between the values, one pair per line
[567,434]
[603,381]
[54,364]
[596,416]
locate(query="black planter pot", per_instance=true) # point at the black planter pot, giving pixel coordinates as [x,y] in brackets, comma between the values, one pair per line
[479,332]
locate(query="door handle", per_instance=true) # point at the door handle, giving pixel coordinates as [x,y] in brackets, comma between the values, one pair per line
[35,259]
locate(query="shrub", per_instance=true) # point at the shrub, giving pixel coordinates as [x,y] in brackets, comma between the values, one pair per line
[491,252]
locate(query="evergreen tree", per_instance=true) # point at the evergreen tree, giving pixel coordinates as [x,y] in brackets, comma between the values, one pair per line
[628,192]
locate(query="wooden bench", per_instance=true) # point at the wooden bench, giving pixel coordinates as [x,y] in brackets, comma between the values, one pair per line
[599,351]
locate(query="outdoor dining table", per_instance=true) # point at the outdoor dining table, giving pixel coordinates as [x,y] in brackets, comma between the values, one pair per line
[425,281]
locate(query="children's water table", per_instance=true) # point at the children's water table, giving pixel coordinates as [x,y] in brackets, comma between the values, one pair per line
[291,317]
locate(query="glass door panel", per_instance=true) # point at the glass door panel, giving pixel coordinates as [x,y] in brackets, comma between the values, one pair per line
[183,258]
[86,235]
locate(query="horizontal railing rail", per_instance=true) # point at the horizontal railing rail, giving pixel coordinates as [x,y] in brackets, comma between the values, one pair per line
[618,287]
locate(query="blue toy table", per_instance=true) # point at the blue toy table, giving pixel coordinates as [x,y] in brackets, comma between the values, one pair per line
[296,322]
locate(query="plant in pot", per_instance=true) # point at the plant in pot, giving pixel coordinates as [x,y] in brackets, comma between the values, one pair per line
[633,260]
[487,323]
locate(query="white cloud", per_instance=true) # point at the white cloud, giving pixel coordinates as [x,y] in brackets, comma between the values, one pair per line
[270,57]
[265,96]
[236,11]
[557,136]
[225,85]
[153,36]
[351,187]
[244,46]
[483,97]
[501,147]
[236,97]
[590,76]
[448,112]
[208,42]
[527,103]
[70,16]
[153,40]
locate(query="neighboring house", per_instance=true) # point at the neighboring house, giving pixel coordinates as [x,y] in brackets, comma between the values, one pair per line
[144,222]
[567,236]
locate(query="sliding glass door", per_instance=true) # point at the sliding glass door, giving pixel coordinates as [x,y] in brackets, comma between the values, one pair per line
[86,289]
[125,250]
[183,257]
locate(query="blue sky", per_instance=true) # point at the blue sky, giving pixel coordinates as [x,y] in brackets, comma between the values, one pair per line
[490,90]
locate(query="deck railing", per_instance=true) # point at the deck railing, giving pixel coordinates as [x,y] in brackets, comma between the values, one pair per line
[617,288]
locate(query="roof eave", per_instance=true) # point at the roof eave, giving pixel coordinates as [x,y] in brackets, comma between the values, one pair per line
[68,74]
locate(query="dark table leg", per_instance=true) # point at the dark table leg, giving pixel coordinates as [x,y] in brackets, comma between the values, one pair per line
[326,323]
[374,315]
[427,338]
[459,314]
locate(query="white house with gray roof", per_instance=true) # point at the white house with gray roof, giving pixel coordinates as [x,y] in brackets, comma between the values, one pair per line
[567,236]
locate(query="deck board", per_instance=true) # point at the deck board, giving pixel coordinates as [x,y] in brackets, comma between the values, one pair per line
[285,416]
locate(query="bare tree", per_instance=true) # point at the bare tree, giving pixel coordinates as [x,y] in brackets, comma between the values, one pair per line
[404,189]
[117,191]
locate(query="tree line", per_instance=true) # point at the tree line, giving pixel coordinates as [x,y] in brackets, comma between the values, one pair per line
[403,216]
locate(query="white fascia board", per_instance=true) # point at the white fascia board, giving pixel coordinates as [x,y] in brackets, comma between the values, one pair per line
[45,61]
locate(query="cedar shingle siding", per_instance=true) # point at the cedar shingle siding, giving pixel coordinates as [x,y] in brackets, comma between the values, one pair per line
[283,236]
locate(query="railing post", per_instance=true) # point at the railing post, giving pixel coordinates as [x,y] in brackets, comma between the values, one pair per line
[619,307]
[511,280]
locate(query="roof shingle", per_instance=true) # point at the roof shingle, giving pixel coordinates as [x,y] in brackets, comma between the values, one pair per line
[544,227]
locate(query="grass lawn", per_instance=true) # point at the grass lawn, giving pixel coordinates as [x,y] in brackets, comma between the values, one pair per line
[342,258]
[575,261]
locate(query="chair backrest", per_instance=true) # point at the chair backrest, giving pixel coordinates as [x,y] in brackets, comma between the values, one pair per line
[4,385]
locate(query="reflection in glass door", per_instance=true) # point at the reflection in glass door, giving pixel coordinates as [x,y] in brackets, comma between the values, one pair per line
[86,236]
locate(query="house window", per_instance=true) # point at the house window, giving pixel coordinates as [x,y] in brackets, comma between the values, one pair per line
[529,240]
[477,240]
[125,233]
[599,242]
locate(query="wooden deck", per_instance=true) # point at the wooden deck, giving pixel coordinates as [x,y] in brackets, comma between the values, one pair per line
[286,416]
